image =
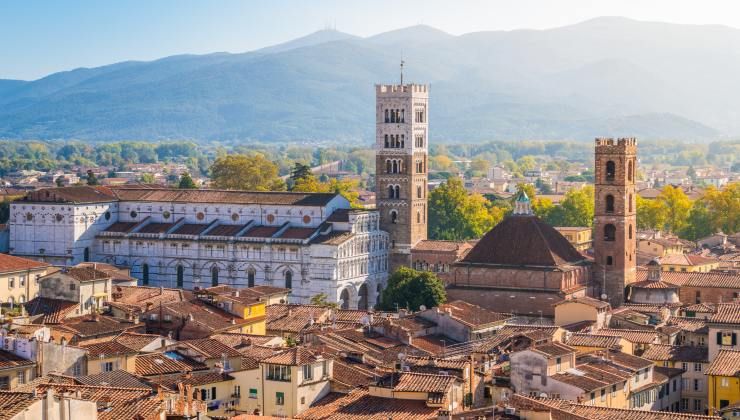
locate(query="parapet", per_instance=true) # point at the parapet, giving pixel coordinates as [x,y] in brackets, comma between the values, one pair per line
[407,88]
[609,145]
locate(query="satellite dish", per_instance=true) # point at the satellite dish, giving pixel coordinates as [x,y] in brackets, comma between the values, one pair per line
[603,296]
[422,307]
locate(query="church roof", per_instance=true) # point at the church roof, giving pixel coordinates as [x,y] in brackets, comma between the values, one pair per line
[523,240]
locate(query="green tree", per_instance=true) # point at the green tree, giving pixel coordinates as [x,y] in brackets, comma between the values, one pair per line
[347,188]
[59,181]
[91,178]
[323,300]
[242,172]
[186,182]
[576,209]
[650,214]
[455,215]
[408,288]
[147,178]
[699,223]
[724,207]
[676,206]
[300,171]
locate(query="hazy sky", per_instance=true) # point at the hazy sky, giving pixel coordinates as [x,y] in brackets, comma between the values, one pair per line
[41,37]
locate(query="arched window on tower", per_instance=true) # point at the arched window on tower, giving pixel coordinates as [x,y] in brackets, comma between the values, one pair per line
[630,204]
[403,116]
[391,191]
[610,232]
[398,191]
[403,140]
[610,203]
[609,260]
[388,166]
[418,191]
[630,231]
[630,171]
[611,170]
[418,217]
[180,276]
[288,279]
[394,216]
[387,117]
[214,276]
[386,141]
[395,166]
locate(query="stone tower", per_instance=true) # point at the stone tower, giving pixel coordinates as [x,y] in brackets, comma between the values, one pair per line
[614,217]
[401,132]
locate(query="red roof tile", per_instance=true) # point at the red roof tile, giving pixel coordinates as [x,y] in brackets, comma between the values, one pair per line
[359,405]
[9,263]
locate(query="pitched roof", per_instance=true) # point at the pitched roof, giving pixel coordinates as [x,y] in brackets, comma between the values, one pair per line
[360,405]
[125,403]
[9,263]
[353,374]
[163,363]
[293,318]
[421,382]
[719,279]
[52,311]
[635,336]
[725,363]
[10,360]
[107,348]
[472,315]
[116,379]
[686,259]
[295,356]
[81,273]
[13,403]
[727,313]
[553,349]
[88,325]
[598,304]
[208,347]
[194,378]
[72,194]
[689,324]
[431,245]
[523,240]
[175,195]
[593,340]
[661,352]
[136,341]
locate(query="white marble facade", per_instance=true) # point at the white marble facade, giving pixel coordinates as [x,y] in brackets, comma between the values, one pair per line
[309,243]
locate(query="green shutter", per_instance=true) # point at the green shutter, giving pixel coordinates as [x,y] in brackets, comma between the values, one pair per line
[734,339]
[719,338]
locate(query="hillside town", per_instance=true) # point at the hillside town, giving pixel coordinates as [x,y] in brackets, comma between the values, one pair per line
[140,300]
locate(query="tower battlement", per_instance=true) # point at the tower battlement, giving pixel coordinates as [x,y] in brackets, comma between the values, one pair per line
[405,88]
[610,145]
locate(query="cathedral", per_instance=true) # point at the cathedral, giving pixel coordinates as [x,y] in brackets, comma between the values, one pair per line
[315,243]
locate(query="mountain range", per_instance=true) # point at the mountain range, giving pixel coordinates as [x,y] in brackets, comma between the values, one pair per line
[608,76]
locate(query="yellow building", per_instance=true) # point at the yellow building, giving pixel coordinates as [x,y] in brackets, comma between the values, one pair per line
[661,247]
[19,279]
[15,370]
[580,309]
[109,356]
[689,263]
[580,237]
[724,380]
[248,304]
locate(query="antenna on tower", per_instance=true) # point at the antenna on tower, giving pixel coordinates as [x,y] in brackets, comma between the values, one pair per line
[402,62]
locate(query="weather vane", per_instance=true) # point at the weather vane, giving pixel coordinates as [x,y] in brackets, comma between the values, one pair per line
[402,71]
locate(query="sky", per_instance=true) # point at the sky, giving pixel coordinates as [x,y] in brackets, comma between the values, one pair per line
[38,38]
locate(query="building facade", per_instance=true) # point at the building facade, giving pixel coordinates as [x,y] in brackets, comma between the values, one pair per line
[614,217]
[310,243]
[401,166]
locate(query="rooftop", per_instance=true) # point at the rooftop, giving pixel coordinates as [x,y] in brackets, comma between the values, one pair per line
[725,363]
[661,352]
[9,263]
[360,405]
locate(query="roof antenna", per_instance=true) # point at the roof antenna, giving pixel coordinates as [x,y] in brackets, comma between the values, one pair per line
[402,62]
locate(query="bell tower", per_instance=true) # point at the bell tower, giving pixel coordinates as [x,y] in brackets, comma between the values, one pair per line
[614,217]
[401,134]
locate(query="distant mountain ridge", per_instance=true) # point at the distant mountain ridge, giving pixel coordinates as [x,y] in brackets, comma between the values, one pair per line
[606,76]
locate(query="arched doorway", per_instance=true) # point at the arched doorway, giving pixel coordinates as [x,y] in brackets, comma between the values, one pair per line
[344,297]
[362,296]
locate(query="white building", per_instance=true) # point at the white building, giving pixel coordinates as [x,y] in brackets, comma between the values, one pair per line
[309,242]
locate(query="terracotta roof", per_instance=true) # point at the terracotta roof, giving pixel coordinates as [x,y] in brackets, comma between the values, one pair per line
[654,284]
[107,348]
[225,230]
[52,311]
[86,326]
[635,336]
[593,340]
[295,356]
[433,344]
[421,382]
[293,318]
[121,227]
[297,233]
[116,379]
[195,378]
[472,315]
[598,304]
[353,374]
[222,196]
[261,232]
[211,318]
[9,263]
[141,295]
[689,324]
[359,405]
[81,273]
[13,403]
[239,340]
[208,347]
[725,363]
[137,341]
[190,229]
[618,358]
[9,360]
[163,363]
[727,313]
[650,308]
[701,308]
[725,280]
[584,382]
[430,245]
[72,194]
[156,228]
[412,323]
[553,349]
[332,238]
[686,259]
[125,403]
[339,215]
[661,352]
[523,240]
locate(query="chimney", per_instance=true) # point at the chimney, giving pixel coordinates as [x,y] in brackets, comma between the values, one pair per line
[236,294]
[190,317]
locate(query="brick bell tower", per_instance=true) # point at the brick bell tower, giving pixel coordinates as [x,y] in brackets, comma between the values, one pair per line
[401,133]
[614,218]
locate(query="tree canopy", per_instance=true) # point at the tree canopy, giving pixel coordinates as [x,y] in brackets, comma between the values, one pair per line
[344,187]
[409,288]
[243,172]
[186,182]
[456,215]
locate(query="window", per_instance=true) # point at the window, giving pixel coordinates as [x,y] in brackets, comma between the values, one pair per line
[106,366]
[214,276]
[684,404]
[279,398]
[11,283]
[697,384]
[725,382]
[180,276]
[418,191]
[610,232]
[610,170]
[685,366]
[324,369]
[697,367]
[253,393]
[288,279]
[278,373]
[77,369]
[303,400]
[603,394]
[697,405]
[4,382]
[203,394]
[394,216]
[630,231]
[307,372]
[558,362]
[726,338]
[630,171]
[145,274]
[21,377]
[86,255]
[593,397]
[609,260]
[610,203]
[213,393]
[614,390]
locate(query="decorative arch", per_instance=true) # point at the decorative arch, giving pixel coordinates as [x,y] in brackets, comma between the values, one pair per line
[363,297]
[344,299]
